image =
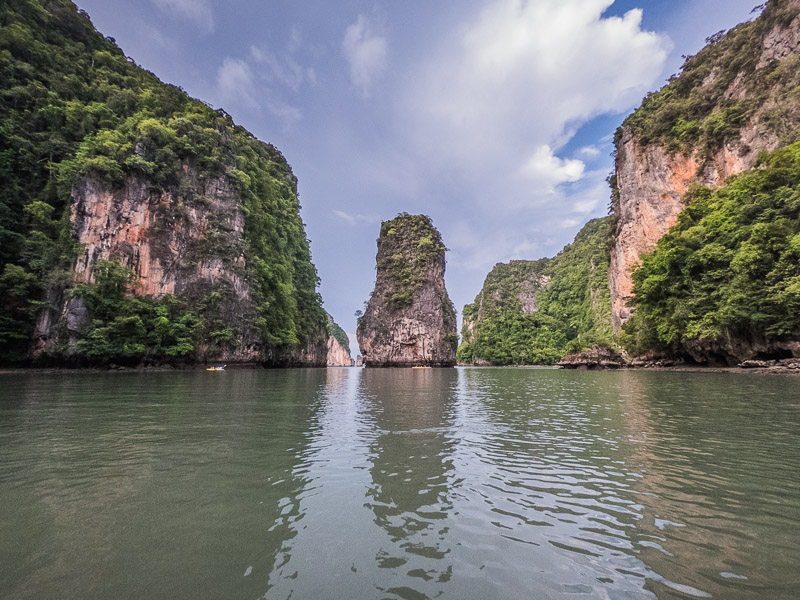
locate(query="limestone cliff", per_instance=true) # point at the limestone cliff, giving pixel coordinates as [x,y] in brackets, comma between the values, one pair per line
[509,292]
[192,247]
[533,312]
[733,100]
[338,346]
[139,225]
[409,319]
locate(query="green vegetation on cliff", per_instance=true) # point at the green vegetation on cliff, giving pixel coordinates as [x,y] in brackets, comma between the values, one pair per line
[696,112]
[72,106]
[535,312]
[411,243]
[730,268]
[339,334]
[125,327]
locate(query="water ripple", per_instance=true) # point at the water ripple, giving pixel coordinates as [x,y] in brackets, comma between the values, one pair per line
[470,483]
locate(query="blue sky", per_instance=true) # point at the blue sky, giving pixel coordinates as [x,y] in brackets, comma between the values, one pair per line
[493,117]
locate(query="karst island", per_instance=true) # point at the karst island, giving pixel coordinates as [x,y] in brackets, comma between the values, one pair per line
[409,320]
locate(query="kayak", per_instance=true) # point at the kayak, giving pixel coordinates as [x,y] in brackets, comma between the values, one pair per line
[420,367]
[216,368]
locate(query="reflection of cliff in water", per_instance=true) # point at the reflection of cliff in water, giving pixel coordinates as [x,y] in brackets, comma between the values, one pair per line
[411,471]
[716,491]
[174,483]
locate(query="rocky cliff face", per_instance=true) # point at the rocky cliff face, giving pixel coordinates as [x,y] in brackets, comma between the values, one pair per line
[338,355]
[409,319]
[159,231]
[338,346]
[732,101]
[189,246]
[651,183]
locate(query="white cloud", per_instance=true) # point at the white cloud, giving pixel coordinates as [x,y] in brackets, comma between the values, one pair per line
[353,219]
[262,80]
[525,249]
[295,40]
[548,170]
[524,75]
[235,83]
[570,223]
[197,11]
[238,86]
[366,52]
[287,113]
[589,152]
[284,70]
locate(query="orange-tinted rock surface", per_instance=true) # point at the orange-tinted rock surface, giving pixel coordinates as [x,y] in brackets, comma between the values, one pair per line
[652,180]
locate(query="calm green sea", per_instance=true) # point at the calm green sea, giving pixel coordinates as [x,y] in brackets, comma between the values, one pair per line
[347,483]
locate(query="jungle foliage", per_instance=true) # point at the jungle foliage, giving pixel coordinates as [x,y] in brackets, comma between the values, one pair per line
[696,112]
[408,245]
[73,106]
[730,267]
[573,305]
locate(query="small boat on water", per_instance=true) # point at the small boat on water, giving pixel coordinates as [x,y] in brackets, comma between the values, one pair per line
[421,367]
[222,368]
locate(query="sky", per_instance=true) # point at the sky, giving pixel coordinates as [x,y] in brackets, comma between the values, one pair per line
[493,117]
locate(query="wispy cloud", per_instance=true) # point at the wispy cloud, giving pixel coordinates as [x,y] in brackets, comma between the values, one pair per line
[267,80]
[235,83]
[366,52]
[196,11]
[589,152]
[284,70]
[353,219]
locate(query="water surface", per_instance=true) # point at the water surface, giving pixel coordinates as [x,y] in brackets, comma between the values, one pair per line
[350,483]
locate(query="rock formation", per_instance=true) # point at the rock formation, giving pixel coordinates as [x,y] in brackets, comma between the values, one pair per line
[509,292]
[338,346]
[752,112]
[533,312]
[338,355]
[191,222]
[409,319]
[187,247]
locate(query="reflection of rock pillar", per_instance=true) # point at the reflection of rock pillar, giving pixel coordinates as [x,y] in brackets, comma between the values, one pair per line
[288,454]
[411,467]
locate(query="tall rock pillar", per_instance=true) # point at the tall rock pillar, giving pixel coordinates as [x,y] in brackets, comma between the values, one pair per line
[409,319]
